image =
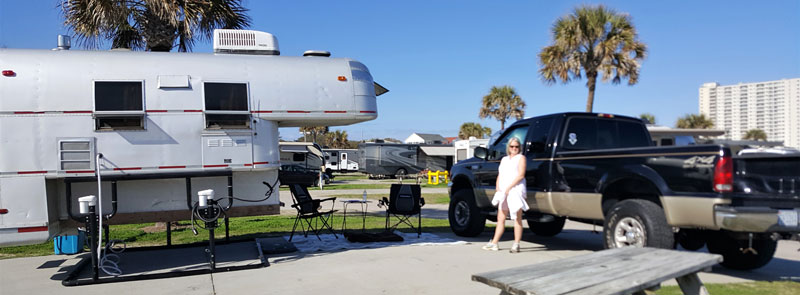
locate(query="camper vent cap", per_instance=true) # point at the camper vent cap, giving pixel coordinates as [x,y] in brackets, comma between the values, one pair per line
[317,53]
[245,42]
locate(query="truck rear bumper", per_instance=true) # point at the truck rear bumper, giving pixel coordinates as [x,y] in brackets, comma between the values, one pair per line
[757,219]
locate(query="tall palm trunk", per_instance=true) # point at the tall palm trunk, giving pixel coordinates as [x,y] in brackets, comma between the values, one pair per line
[592,77]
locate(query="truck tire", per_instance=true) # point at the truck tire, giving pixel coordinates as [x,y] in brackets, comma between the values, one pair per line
[401,172]
[465,217]
[731,251]
[638,223]
[547,229]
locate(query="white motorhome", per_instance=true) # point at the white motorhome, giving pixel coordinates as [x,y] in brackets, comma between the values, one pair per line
[166,124]
[341,160]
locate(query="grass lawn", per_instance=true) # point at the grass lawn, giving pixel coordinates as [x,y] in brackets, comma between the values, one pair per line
[750,288]
[241,228]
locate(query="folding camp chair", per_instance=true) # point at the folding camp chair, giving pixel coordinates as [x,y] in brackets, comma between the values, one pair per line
[308,210]
[404,202]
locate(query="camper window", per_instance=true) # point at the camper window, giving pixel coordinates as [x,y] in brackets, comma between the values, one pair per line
[118,105]
[226,106]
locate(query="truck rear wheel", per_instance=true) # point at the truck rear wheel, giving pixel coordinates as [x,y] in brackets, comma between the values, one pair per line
[732,251]
[547,228]
[638,223]
[465,217]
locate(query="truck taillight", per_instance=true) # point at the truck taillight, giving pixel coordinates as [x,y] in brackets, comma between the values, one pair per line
[723,175]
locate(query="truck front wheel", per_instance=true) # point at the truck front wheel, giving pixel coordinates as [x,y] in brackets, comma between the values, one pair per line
[638,223]
[465,217]
[736,253]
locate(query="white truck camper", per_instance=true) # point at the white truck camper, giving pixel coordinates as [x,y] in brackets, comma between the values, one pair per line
[159,127]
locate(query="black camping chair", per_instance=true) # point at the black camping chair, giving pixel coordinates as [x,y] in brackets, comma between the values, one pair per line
[404,202]
[308,210]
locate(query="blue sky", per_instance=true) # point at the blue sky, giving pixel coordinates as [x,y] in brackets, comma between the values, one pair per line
[439,58]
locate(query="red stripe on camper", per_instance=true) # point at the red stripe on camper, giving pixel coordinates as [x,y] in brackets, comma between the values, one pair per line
[127,168]
[79,171]
[298,112]
[260,163]
[367,112]
[335,112]
[77,112]
[215,166]
[192,111]
[248,165]
[260,112]
[171,167]
[156,111]
[31,229]
[31,172]
[26,112]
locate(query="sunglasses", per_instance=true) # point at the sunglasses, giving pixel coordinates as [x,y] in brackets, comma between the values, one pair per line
[514,146]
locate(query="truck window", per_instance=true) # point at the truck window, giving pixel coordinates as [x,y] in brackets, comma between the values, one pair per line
[602,133]
[498,149]
[581,134]
[632,134]
[118,105]
[226,105]
[540,134]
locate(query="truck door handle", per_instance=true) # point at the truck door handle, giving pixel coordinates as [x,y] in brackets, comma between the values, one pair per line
[475,167]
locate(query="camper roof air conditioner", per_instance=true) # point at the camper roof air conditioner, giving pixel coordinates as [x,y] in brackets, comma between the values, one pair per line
[245,42]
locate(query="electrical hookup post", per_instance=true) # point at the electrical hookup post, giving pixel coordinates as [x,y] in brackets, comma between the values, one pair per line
[208,211]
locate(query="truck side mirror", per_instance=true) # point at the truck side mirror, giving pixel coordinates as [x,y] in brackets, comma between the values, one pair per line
[481,152]
[536,147]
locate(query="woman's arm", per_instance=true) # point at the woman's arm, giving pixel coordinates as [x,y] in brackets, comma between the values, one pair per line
[521,167]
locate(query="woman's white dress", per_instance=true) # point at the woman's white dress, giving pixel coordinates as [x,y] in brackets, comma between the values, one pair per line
[517,195]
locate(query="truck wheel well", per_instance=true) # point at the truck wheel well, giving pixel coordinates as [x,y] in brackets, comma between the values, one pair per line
[460,183]
[629,188]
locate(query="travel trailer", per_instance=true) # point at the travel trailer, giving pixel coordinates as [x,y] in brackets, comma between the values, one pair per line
[341,160]
[306,154]
[152,129]
[465,148]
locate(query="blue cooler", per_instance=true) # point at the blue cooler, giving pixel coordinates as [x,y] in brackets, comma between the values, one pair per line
[69,244]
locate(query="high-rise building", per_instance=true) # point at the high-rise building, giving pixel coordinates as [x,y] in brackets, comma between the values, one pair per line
[772,106]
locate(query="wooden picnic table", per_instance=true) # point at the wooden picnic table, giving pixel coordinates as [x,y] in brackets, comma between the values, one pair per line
[626,270]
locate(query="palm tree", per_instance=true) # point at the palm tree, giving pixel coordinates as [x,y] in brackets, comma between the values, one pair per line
[593,40]
[693,121]
[755,134]
[473,129]
[648,118]
[154,25]
[315,131]
[338,139]
[502,103]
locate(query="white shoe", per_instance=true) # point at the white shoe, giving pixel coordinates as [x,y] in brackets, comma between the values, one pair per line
[490,247]
[514,248]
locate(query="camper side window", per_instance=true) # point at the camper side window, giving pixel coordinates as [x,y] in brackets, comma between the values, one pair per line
[226,106]
[118,105]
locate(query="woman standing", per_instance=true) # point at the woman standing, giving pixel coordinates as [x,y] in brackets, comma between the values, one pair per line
[510,196]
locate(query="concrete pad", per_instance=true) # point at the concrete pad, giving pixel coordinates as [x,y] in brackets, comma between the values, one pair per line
[441,269]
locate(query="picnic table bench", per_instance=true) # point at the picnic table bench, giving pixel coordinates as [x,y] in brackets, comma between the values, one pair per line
[626,270]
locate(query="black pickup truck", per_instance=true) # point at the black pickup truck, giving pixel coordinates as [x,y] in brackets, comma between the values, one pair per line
[604,169]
